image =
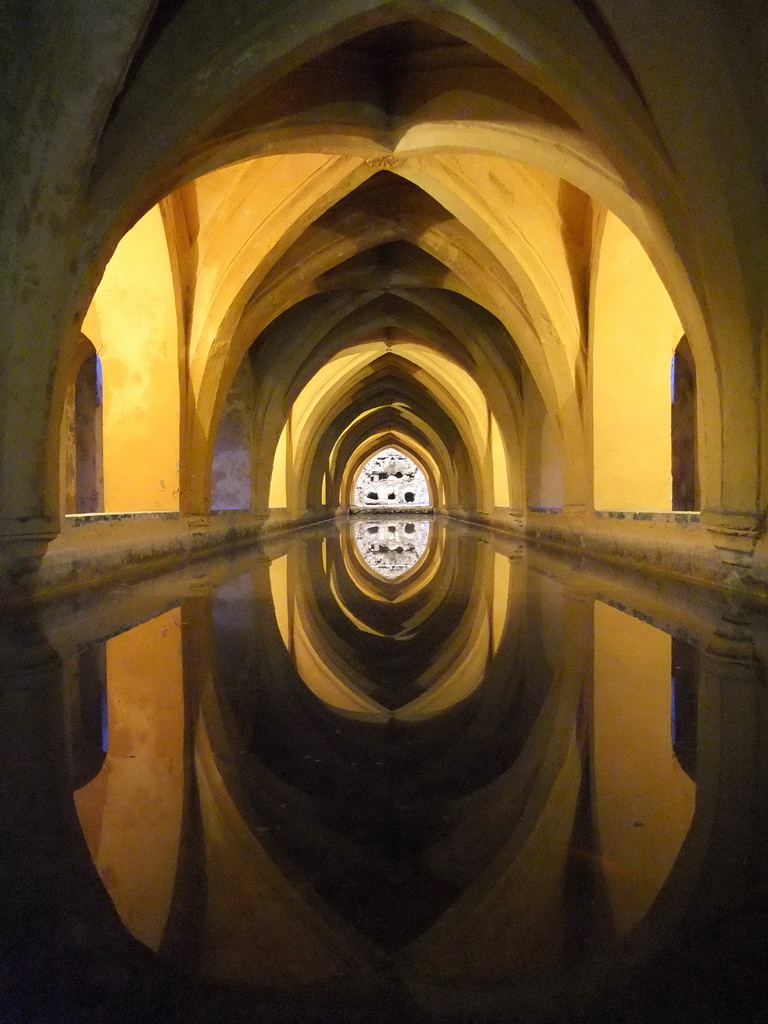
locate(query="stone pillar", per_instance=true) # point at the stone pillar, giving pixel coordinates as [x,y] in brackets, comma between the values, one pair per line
[735,536]
[733,773]
[55,918]
[34,825]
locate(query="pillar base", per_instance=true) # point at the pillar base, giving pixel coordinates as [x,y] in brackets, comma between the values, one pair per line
[21,528]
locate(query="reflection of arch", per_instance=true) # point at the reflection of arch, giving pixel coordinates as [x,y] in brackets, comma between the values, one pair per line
[359,593]
[438,626]
[685,463]
[489,897]
[534,774]
[390,477]
[392,548]
[131,812]
[644,801]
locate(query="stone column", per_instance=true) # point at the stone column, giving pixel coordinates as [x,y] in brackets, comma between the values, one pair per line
[55,918]
[733,771]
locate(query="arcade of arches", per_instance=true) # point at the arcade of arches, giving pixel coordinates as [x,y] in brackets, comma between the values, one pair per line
[499,236]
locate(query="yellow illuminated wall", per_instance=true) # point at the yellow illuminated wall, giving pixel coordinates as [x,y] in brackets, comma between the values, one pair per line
[635,330]
[156,296]
[133,325]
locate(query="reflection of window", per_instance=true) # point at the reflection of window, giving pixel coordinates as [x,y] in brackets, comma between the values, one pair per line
[88,725]
[685,675]
[393,548]
[391,479]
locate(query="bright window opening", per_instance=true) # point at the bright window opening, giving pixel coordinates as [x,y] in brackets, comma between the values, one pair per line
[391,480]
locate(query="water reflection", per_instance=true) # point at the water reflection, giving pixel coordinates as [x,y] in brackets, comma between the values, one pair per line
[392,546]
[484,778]
[131,810]
[645,799]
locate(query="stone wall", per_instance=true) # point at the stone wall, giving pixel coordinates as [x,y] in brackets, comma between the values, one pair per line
[391,479]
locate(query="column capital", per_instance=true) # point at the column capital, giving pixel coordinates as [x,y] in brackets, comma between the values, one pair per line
[732,653]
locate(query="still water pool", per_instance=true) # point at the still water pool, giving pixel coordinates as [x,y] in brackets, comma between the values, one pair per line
[401,769]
